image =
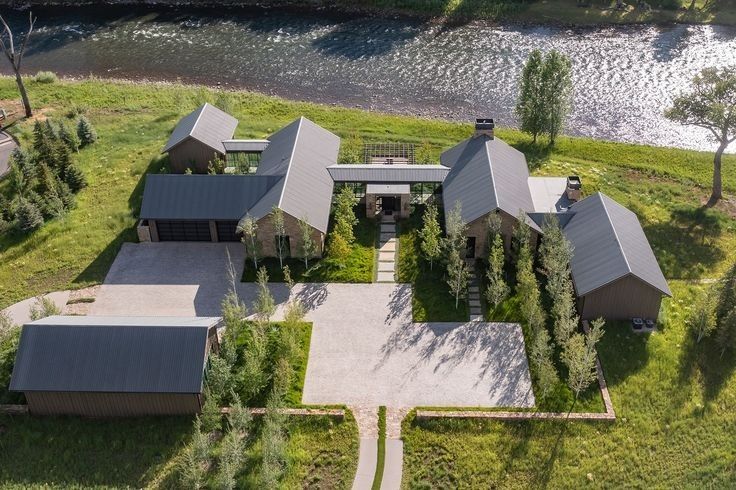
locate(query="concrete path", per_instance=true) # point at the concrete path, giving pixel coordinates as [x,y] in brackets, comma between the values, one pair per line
[7,145]
[387,250]
[476,313]
[20,313]
[367,420]
[394,448]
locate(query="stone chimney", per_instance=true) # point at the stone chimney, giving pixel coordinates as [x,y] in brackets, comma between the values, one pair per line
[573,188]
[484,127]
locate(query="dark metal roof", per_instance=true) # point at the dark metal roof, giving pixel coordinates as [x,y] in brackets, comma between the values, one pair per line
[486,174]
[248,146]
[207,124]
[203,197]
[388,174]
[609,244]
[112,354]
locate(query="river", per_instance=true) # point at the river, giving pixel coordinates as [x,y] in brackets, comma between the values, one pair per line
[624,77]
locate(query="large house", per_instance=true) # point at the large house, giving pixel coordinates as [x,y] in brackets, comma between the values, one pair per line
[614,270]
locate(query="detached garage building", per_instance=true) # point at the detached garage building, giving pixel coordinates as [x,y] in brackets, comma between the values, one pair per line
[114,366]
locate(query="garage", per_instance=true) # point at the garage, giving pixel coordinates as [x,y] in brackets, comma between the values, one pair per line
[227,231]
[183,231]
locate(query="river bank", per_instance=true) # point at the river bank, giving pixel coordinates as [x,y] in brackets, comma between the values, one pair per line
[457,12]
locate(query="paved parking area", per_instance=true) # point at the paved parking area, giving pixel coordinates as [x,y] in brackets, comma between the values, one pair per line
[365,349]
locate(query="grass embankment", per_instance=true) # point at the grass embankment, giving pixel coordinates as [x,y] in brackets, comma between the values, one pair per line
[137,453]
[357,268]
[134,120]
[542,11]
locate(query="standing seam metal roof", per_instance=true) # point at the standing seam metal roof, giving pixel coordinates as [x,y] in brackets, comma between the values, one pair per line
[207,124]
[487,174]
[112,354]
[609,244]
[384,174]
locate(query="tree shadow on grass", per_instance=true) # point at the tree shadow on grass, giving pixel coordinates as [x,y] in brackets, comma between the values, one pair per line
[622,352]
[78,452]
[536,154]
[704,358]
[685,244]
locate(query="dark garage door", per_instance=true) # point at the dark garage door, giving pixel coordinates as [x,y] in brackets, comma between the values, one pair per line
[226,231]
[183,231]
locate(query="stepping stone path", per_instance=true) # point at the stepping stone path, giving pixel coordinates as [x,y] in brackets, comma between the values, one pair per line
[476,314]
[387,250]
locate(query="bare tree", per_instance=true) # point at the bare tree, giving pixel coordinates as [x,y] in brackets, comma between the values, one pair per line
[15,56]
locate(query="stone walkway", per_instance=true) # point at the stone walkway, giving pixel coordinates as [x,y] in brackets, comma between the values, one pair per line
[387,250]
[476,314]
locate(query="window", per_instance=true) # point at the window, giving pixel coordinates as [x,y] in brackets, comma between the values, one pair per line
[358,189]
[422,191]
[285,245]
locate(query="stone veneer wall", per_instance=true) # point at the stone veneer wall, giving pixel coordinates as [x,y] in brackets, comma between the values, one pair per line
[267,237]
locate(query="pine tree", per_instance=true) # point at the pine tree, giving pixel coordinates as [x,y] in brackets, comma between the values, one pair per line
[431,235]
[75,178]
[86,133]
[27,215]
[345,219]
[338,250]
[69,137]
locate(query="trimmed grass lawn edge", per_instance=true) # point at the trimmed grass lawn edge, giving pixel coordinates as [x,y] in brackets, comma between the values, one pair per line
[381,460]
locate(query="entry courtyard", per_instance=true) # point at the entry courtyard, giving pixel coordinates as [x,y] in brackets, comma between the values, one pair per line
[365,349]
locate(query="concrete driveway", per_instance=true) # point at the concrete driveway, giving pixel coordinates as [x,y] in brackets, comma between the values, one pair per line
[365,349]
[172,278]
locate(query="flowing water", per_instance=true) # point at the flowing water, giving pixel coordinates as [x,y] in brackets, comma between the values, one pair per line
[624,77]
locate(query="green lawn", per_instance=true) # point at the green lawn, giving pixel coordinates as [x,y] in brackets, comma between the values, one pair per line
[431,299]
[135,453]
[134,120]
[675,414]
[544,11]
[358,268]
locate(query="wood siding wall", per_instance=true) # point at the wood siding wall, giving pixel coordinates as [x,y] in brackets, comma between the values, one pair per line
[621,300]
[191,152]
[112,404]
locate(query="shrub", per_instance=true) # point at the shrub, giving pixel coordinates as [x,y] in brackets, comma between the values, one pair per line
[86,132]
[76,110]
[44,307]
[27,215]
[45,77]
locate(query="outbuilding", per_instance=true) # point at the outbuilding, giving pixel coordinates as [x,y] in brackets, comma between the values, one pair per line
[114,366]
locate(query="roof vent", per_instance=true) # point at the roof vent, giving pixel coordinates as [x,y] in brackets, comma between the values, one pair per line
[484,127]
[574,185]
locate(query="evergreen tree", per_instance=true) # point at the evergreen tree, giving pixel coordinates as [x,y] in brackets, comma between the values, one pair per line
[27,215]
[86,133]
[345,219]
[431,234]
[497,290]
[725,332]
[338,249]
[75,178]
[265,306]
[69,137]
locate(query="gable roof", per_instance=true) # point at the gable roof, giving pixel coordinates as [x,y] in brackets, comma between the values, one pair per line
[206,124]
[223,197]
[486,174]
[609,244]
[112,354]
[300,153]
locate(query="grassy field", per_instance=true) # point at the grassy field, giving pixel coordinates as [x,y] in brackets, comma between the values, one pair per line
[134,120]
[137,453]
[545,11]
[674,430]
[358,268]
